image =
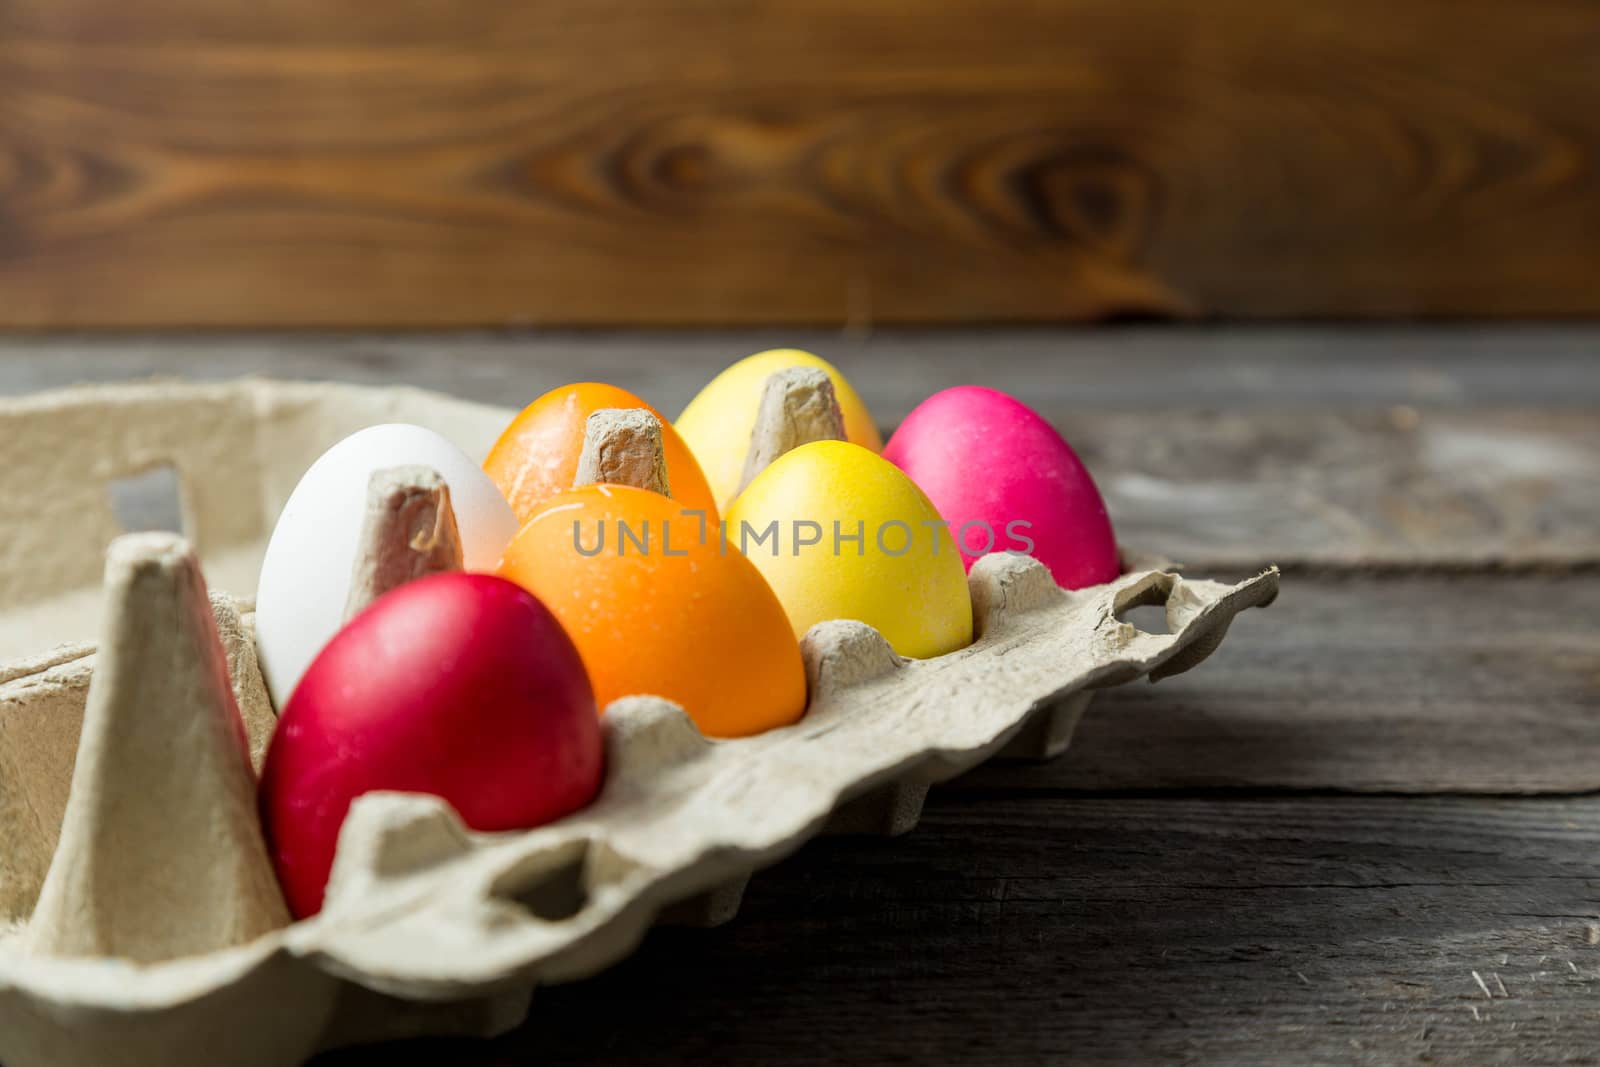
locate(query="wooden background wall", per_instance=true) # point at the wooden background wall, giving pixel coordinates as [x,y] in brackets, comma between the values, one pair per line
[483,162]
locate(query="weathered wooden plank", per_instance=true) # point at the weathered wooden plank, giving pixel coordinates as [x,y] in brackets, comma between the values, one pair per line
[1138,369]
[1420,477]
[1307,489]
[205,162]
[1409,684]
[1326,930]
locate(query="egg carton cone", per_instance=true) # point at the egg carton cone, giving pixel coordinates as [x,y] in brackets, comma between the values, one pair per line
[136,923]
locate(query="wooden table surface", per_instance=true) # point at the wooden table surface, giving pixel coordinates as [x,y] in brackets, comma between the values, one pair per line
[1366,831]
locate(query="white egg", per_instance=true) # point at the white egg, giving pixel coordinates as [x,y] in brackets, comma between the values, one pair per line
[305,576]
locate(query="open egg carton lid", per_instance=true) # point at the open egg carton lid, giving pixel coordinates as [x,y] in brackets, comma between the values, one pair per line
[428,927]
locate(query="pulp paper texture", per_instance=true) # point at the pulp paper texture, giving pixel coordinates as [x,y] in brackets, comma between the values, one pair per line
[798,406]
[418,908]
[622,447]
[409,532]
[160,854]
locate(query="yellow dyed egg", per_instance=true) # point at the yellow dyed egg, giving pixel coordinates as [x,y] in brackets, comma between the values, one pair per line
[840,533]
[717,423]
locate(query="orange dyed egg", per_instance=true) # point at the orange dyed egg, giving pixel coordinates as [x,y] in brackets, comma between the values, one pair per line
[656,607]
[537,454]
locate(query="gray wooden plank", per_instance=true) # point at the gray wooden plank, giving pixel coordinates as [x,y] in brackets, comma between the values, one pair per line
[1263,931]
[1219,448]
[1350,489]
[1398,683]
[1125,369]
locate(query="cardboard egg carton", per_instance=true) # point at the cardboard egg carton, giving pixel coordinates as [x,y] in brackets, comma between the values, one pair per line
[136,926]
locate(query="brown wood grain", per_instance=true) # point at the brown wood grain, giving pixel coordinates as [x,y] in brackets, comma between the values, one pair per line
[212,162]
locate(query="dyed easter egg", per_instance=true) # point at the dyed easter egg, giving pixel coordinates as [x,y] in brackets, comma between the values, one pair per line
[855,539]
[717,423]
[656,607]
[305,575]
[459,685]
[537,454]
[1007,481]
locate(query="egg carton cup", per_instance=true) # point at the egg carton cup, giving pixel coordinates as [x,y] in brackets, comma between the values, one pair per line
[427,928]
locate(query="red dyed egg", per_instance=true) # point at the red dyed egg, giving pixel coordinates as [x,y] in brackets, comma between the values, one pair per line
[459,685]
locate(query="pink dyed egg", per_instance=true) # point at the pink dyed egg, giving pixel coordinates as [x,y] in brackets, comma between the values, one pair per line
[1006,481]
